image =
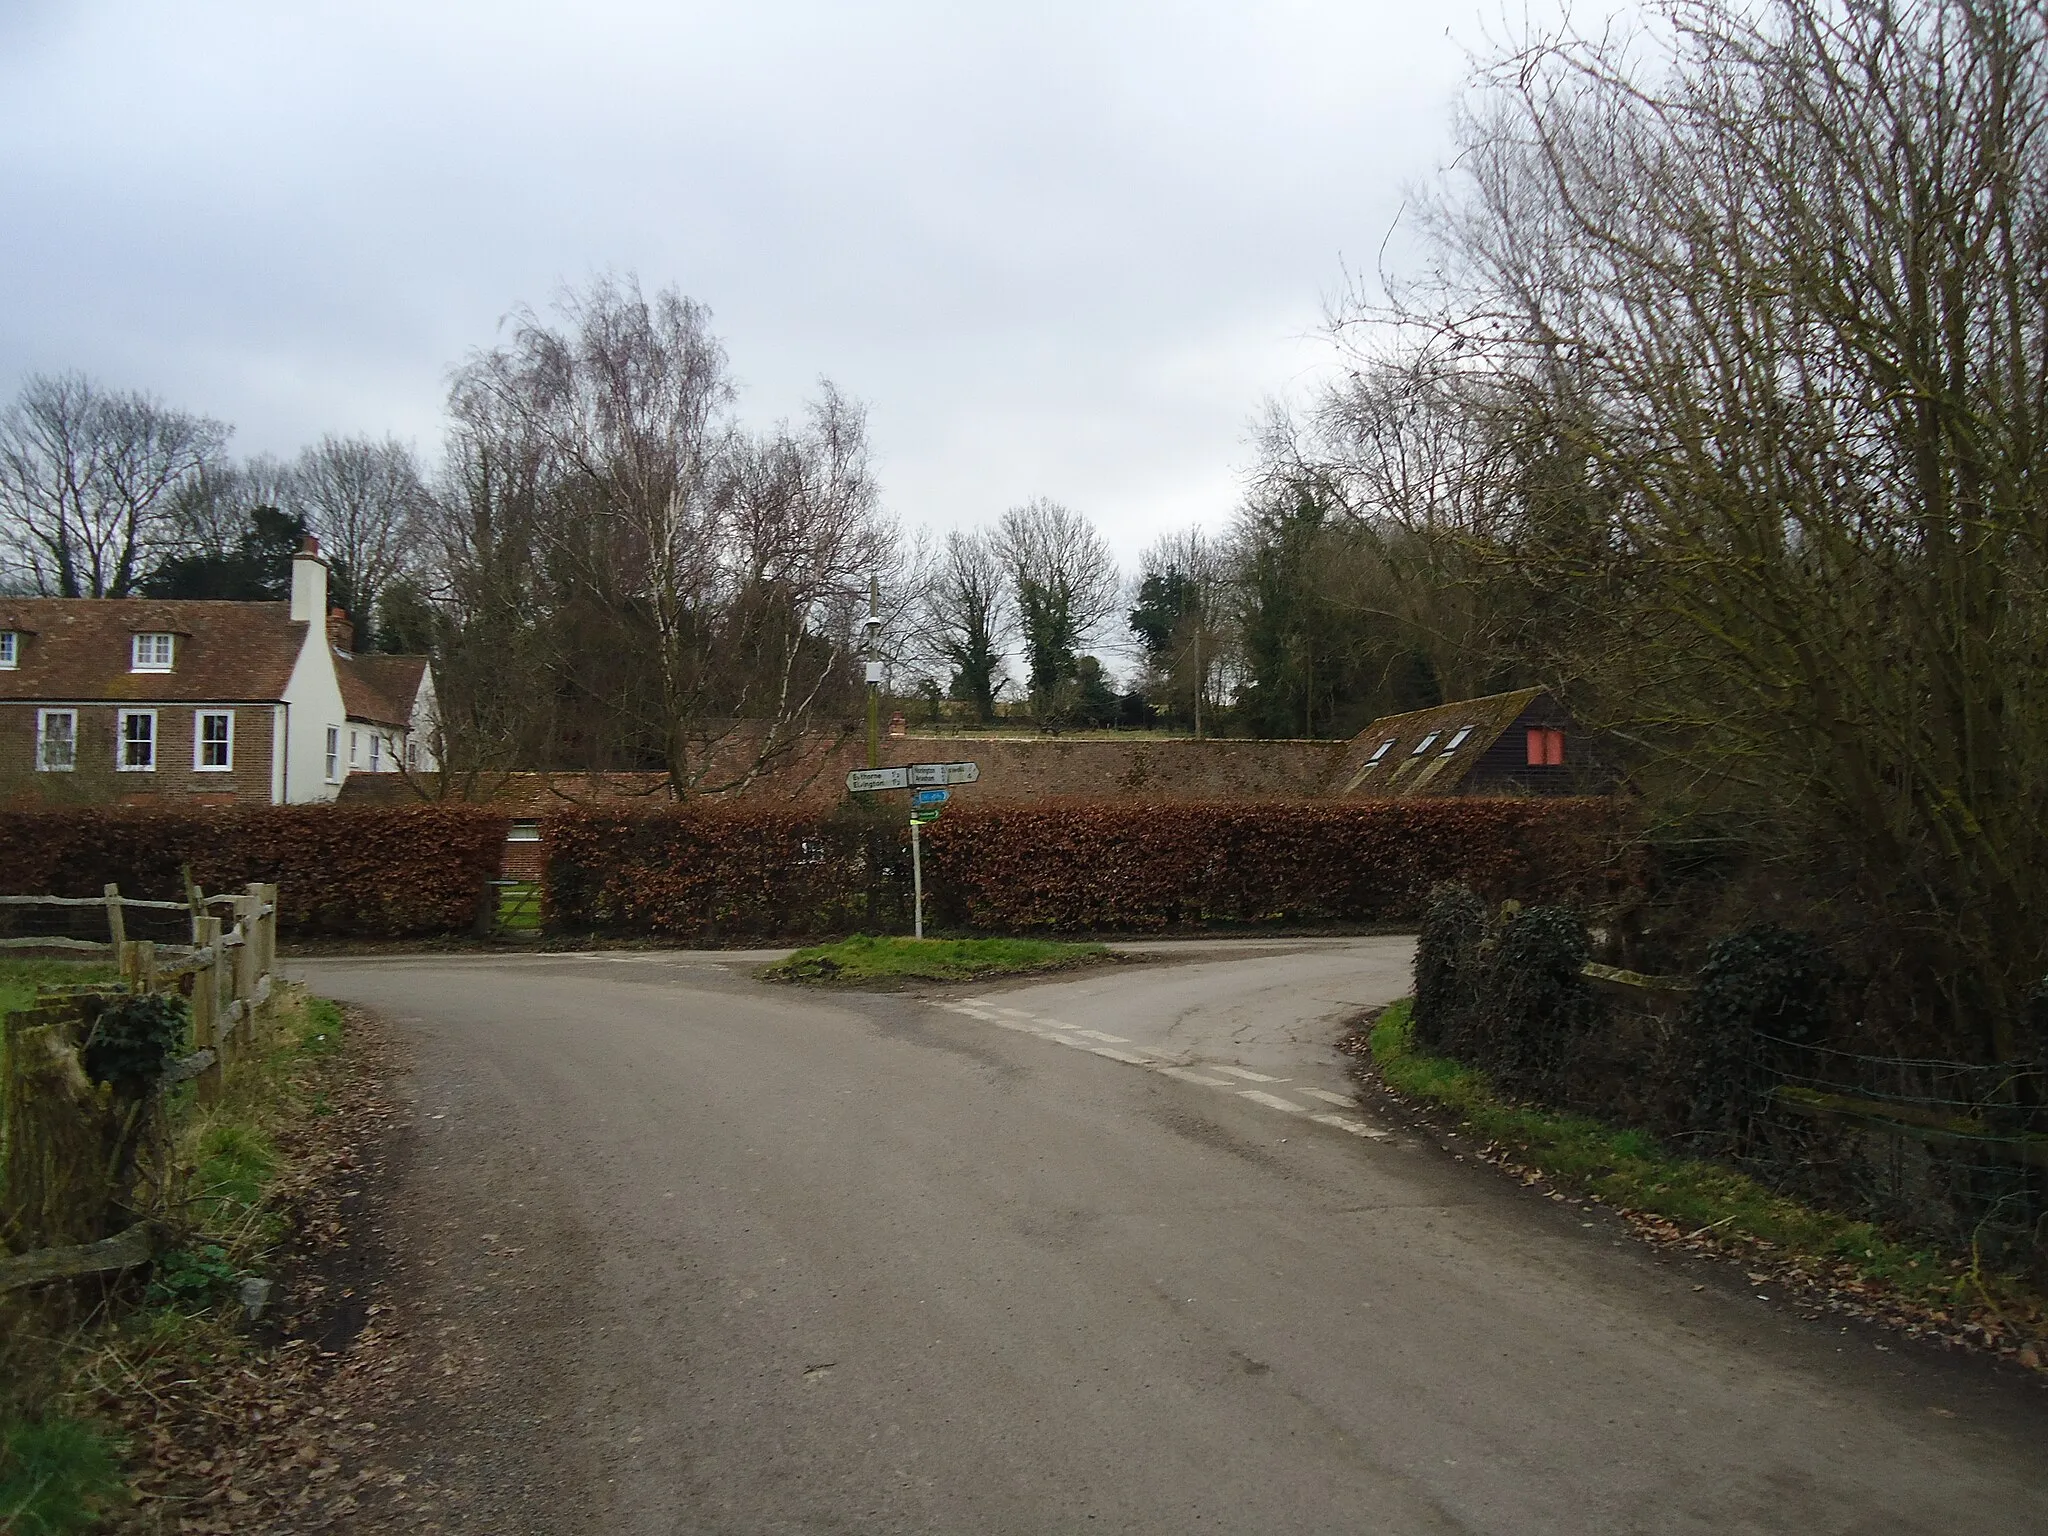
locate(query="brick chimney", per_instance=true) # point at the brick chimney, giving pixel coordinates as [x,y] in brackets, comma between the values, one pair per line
[340,633]
[309,583]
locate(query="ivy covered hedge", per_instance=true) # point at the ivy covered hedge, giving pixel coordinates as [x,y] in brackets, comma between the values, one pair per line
[1063,867]
[361,872]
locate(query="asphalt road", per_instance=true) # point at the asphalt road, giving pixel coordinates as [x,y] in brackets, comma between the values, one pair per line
[1106,1253]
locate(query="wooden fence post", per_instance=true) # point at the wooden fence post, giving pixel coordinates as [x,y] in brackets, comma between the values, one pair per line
[270,931]
[259,959]
[244,975]
[206,1007]
[195,899]
[138,966]
[117,926]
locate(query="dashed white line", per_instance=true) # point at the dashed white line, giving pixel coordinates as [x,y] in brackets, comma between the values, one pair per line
[1355,1127]
[1271,1100]
[1025,1022]
[1195,1077]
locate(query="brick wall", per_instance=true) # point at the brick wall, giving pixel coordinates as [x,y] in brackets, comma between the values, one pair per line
[1099,771]
[95,779]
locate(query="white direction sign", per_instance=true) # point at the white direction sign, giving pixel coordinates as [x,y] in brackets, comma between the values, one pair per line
[916,774]
[878,778]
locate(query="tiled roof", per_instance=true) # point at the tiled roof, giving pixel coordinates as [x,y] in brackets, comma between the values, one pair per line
[1382,759]
[380,689]
[79,649]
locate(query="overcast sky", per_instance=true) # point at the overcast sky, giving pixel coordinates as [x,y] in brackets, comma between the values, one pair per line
[1059,249]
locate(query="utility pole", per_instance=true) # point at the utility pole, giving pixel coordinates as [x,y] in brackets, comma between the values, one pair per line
[869,631]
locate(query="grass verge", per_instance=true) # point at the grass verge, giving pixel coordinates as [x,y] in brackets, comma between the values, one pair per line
[863,960]
[65,1368]
[19,978]
[57,1474]
[1707,1204]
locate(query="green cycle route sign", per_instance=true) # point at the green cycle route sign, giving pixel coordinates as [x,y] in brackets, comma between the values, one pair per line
[930,781]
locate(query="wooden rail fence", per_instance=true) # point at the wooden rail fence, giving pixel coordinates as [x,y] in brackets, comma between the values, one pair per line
[225,975]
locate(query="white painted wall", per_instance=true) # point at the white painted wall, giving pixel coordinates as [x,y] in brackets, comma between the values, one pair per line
[313,696]
[425,724]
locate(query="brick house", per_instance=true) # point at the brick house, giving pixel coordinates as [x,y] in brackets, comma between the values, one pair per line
[1520,743]
[130,700]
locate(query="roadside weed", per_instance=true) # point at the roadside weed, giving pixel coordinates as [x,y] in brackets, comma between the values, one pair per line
[1633,1172]
[57,1474]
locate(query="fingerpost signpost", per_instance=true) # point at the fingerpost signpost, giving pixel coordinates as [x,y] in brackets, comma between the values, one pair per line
[929,785]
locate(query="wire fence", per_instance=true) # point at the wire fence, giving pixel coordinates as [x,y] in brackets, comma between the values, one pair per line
[1958,1150]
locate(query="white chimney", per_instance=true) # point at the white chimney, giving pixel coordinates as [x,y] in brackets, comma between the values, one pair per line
[309,584]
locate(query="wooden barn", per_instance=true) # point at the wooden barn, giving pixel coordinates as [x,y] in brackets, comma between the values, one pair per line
[1520,743]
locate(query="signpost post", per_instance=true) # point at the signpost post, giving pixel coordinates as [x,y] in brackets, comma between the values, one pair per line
[929,792]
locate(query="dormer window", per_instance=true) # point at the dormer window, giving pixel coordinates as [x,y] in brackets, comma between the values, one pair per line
[152,653]
[10,649]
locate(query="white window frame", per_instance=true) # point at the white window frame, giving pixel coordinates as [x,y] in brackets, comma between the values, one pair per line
[376,752]
[334,754]
[43,719]
[160,642]
[354,748]
[1425,744]
[412,755]
[199,719]
[10,649]
[1458,740]
[121,763]
[1384,748]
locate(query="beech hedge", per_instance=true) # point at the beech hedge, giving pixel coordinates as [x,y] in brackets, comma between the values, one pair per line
[1066,867]
[729,873]
[362,872]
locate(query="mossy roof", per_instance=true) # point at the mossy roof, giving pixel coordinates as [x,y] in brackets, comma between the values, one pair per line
[1414,754]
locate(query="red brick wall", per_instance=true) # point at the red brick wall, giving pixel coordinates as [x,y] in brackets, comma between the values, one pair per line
[95,780]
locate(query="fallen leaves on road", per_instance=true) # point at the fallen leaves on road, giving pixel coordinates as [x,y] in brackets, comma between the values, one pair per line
[273,1431]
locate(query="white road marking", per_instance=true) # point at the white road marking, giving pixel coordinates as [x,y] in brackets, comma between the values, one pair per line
[1053,1029]
[1355,1127]
[1195,1077]
[1270,1100]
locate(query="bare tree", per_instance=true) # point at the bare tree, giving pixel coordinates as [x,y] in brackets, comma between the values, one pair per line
[365,500]
[1760,300]
[1179,611]
[965,615]
[698,586]
[89,480]
[1064,583]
